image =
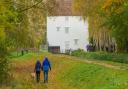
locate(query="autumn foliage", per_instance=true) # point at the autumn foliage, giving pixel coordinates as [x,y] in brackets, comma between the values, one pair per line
[107,22]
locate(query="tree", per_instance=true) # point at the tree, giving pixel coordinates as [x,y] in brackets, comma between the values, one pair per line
[117,20]
[101,35]
[7,23]
[34,14]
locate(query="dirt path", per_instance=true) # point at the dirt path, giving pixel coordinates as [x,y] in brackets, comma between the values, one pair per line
[103,64]
[22,75]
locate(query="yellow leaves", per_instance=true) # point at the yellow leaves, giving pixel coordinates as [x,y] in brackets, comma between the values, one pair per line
[109,3]
[119,10]
[86,7]
[77,5]
[119,1]
[113,6]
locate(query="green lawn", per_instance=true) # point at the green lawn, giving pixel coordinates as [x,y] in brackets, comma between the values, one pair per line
[90,76]
[28,56]
[67,73]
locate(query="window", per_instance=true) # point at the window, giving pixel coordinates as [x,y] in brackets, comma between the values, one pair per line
[66,29]
[66,18]
[58,28]
[67,45]
[76,41]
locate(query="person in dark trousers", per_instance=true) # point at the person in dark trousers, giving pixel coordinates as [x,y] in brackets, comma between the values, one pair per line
[37,70]
[45,67]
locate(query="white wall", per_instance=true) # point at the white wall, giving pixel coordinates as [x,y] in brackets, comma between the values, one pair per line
[78,29]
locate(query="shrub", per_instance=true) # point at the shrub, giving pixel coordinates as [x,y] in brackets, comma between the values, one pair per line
[4,69]
[78,52]
[121,58]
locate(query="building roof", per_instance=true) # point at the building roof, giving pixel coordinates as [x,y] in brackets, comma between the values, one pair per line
[64,8]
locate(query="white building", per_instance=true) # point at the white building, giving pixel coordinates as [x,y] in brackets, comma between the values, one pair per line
[67,32]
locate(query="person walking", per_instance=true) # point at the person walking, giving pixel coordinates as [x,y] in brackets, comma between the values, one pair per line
[37,70]
[45,67]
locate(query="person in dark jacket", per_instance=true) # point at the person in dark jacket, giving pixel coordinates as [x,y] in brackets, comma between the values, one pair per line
[45,67]
[37,70]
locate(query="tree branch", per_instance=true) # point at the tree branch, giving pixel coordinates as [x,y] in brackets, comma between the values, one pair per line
[31,6]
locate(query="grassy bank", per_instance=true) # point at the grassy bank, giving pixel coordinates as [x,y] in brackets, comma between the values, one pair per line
[89,76]
[121,58]
[18,57]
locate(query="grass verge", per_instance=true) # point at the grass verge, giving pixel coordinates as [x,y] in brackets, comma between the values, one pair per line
[89,76]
